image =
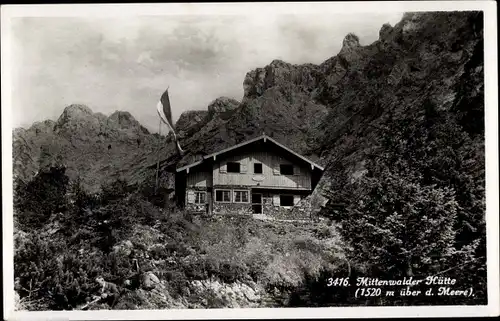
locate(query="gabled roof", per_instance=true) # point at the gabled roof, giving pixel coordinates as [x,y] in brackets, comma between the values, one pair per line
[263,137]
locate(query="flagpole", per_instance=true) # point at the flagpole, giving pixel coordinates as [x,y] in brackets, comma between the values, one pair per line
[158,156]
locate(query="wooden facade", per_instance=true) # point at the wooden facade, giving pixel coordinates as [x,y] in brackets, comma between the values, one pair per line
[270,175]
[259,176]
[199,179]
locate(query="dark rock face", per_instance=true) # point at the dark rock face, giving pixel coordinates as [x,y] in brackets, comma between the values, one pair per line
[331,111]
[222,107]
[279,73]
[124,121]
[190,122]
[414,64]
[91,145]
[385,31]
[77,121]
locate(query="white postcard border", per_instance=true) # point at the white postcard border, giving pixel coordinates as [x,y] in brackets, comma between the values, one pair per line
[116,10]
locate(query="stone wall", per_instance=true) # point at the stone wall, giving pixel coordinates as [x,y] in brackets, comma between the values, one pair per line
[300,211]
[232,208]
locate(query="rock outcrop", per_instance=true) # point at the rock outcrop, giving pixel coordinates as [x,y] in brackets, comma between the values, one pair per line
[190,122]
[350,46]
[279,74]
[91,145]
[149,281]
[222,107]
[234,295]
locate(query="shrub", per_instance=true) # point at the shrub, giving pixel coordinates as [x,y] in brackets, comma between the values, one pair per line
[156,196]
[232,271]
[195,270]
[420,204]
[177,282]
[308,244]
[401,228]
[323,232]
[82,200]
[145,212]
[256,256]
[54,273]
[62,276]
[44,195]
[115,190]
[283,273]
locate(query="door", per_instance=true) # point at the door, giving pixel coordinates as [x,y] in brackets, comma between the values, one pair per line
[257,203]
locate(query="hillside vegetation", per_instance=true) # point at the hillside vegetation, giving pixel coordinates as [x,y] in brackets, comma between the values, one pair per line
[410,165]
[118,234]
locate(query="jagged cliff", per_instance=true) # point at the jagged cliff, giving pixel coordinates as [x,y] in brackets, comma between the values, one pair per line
[96,147]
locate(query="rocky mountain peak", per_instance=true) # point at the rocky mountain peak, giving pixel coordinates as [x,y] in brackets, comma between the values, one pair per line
[385,31]
[351,49]
[76,110]
[412,21]
[75,118]
[278,63]
[122,115]
[350,41]
[281,74]
[222,105]
[43,126]
[123,120]
[191,122]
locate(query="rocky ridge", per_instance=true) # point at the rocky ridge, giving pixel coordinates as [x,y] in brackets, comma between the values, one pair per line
[96,147]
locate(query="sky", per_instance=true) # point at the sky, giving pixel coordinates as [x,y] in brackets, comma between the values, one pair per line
[125,63]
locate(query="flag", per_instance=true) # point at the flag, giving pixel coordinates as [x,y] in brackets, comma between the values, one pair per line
[165,110]
[165,113]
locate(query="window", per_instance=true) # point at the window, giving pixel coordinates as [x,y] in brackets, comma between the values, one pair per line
[286,169]
[241,196]
[233,167]
[286,200]
[257,168]
[200,197]
[223,196]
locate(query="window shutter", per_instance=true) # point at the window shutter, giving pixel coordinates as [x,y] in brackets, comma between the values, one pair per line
[223,168]
[276,168]
[296,199]
[243,168]
[190,197]
[228,194]
[276,200]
